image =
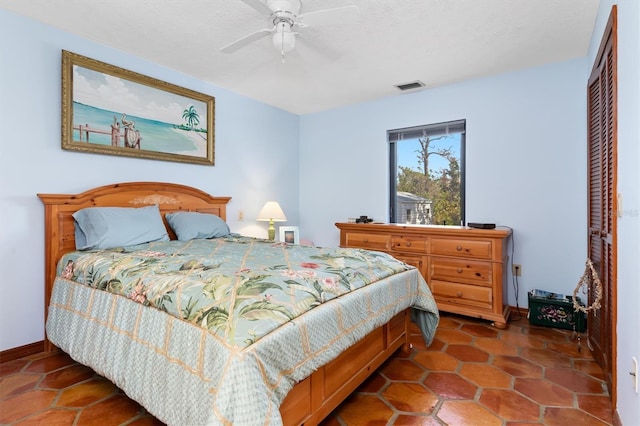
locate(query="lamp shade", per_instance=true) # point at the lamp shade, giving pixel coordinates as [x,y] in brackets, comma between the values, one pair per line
[272,211]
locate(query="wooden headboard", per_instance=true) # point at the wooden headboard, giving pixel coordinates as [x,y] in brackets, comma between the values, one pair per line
[59,233]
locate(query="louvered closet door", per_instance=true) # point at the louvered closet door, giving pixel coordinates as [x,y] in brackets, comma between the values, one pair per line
[602,134]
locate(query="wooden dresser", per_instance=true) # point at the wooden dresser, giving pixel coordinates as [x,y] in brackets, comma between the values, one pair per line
[464,267]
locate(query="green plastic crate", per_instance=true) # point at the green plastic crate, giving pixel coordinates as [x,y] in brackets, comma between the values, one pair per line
[549,309]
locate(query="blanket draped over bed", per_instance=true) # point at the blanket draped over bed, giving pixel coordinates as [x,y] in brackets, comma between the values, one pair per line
[248,318]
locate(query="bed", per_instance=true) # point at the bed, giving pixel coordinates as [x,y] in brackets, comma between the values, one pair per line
[302,327]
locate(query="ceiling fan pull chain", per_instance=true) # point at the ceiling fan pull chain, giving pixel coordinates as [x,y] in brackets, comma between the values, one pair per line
[282,45]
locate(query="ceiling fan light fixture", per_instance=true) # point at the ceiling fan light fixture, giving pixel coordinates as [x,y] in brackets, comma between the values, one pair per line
[283,39]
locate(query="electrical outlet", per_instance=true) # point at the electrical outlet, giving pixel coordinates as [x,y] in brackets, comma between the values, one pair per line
[516,269]
[240,215]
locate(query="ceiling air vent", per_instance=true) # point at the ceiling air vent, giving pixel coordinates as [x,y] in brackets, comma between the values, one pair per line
[411,85]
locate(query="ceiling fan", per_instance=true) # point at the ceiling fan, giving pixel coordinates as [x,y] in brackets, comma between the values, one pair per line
[286,19]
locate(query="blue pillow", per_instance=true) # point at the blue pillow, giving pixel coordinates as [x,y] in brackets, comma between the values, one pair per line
[193,225]
[98,228]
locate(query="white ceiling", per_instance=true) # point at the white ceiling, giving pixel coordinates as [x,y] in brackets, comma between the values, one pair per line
[392,41]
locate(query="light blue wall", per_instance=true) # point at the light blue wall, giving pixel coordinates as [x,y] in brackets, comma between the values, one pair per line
[628,270]
[526,164]
[256,152]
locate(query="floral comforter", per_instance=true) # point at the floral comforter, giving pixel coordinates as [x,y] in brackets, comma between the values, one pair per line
[236,339]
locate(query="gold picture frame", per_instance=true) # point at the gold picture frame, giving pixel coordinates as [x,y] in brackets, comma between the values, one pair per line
[110,110]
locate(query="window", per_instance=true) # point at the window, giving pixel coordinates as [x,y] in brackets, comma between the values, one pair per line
[427,174]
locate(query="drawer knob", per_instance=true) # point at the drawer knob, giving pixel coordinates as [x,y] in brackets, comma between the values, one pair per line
[459,294]
[408,244]
[459,248]
[366,240]
[459,270]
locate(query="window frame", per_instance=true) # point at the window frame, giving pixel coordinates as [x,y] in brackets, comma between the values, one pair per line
[395,136]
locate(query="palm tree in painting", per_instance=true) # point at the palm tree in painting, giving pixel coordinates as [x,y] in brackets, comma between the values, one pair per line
[191,116]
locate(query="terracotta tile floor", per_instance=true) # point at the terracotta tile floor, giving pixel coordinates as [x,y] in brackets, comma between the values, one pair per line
[473,374]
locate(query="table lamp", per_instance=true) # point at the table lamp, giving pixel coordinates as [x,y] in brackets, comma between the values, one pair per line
[273,213]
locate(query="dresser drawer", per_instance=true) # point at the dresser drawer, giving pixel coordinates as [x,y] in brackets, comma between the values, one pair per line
[418,262]
[461,271]
[463,294]
[475,249]
[409,243]
[368,241]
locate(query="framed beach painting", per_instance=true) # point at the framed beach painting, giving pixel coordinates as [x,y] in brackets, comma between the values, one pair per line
[110,110]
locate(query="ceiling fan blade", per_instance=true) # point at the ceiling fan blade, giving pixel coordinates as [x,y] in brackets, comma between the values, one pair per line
[246,40]
[339,15]
[259,6]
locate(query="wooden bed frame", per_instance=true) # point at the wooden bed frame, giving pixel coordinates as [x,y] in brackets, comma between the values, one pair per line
[310,400]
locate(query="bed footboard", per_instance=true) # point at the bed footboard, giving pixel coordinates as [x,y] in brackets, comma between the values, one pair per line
[318,395]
